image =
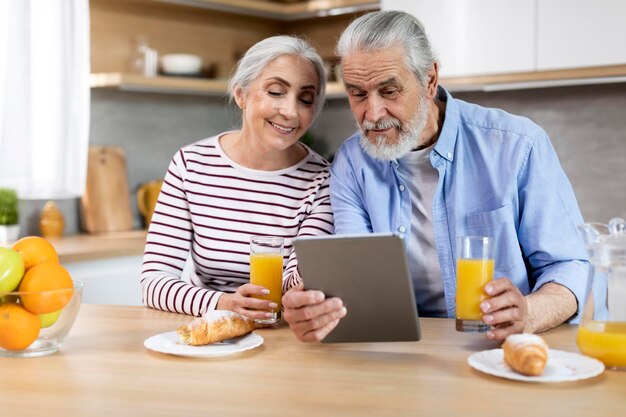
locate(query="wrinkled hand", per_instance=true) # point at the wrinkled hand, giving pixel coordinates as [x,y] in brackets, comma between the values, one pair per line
[506,310]
[242,302]
[310,315]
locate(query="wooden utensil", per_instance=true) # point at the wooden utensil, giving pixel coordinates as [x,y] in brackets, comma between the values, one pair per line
[105,206]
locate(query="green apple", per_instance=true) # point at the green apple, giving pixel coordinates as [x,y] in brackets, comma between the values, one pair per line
[11,269]
[49,319]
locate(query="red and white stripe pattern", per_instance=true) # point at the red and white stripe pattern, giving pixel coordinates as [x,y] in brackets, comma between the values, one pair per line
[210,206]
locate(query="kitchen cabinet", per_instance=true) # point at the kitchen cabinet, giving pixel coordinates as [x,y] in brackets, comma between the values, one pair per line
[476,37]
[577,33]
[109,281]
[508,44]
[217,30]
[109,264]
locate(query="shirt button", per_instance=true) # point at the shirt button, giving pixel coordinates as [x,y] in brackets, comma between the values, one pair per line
[449,154]
[401,187]
[401,229]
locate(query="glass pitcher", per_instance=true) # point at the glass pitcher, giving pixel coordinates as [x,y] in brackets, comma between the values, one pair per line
[602,331]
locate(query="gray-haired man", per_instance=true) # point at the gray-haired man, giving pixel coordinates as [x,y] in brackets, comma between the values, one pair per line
[431,167]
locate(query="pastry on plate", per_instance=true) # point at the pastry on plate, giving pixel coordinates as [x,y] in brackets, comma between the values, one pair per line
[526,353]
[215,326]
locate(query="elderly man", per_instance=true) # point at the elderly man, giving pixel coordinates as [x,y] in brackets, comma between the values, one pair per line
[431,168]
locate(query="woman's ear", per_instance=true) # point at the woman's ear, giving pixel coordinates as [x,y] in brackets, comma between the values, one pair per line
[240,98]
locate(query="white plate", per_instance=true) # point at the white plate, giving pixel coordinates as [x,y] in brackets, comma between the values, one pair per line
[171,344]
[562,366]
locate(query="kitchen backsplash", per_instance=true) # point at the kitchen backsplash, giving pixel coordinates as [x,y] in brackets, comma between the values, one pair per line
[586,125]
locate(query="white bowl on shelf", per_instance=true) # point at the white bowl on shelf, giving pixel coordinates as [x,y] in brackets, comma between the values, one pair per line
[181,64]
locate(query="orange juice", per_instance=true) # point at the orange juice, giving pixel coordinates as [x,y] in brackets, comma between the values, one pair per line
[605,341]
[266,269]
[471,277]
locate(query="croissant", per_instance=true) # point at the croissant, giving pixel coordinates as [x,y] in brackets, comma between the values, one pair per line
[215,326]
[526,353]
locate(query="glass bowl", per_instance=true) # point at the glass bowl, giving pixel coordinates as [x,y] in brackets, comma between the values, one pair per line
[53,327]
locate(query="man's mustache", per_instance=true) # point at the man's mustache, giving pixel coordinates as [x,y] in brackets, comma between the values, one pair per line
[382,124]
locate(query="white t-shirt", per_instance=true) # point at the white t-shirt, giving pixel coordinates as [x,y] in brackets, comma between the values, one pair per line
[421,179]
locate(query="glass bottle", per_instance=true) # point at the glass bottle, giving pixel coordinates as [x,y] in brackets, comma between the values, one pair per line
[143,60]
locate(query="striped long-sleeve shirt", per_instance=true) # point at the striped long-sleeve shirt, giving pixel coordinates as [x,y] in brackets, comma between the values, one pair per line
[209,207]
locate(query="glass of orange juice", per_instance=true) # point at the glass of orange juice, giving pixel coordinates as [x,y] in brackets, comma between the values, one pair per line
[266,270]
[474,268]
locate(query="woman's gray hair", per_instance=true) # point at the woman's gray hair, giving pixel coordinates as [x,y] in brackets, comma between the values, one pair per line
[385,29]
[252,64]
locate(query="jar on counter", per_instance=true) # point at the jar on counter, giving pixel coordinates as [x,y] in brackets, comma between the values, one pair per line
[51,221]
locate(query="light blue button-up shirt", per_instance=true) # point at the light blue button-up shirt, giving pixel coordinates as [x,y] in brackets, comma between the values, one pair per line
[499,176]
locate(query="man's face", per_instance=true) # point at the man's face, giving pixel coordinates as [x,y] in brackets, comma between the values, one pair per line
[389,105]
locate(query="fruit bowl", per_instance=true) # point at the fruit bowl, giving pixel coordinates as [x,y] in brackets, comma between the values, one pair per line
[27,334]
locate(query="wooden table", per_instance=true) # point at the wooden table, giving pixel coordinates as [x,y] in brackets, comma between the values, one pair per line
[104,370]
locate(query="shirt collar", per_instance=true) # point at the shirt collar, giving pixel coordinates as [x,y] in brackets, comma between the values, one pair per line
[447,137]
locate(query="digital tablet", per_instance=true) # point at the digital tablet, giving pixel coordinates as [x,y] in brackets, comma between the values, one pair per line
[370,274]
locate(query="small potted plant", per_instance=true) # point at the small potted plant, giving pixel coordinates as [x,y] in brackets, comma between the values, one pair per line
[9,217]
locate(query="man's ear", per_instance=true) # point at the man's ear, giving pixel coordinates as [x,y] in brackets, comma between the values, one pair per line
[240,97]
[433,80]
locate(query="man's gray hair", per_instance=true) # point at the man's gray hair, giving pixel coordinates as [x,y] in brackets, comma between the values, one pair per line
[385,29]
[252,64]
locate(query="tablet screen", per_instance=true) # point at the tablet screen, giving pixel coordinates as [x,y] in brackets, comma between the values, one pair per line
[370,274]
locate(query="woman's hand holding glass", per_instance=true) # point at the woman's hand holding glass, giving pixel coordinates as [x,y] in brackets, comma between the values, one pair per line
[242,302]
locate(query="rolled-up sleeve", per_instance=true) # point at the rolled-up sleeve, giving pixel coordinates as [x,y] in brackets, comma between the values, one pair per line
[549,220]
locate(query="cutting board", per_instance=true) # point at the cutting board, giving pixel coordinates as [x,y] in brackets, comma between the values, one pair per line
[105,206]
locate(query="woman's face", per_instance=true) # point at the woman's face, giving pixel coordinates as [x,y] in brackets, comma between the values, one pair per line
[279,105]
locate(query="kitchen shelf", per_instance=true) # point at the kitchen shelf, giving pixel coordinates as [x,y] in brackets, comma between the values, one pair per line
[537,79]
[276,10]
[159,84]
[177,85]
[496,82]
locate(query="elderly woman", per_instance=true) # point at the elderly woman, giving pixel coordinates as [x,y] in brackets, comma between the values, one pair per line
[258,180]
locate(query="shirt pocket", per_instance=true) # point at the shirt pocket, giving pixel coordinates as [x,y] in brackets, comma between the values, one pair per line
[500,225]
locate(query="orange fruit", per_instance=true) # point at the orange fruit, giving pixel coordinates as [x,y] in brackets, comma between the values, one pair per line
[47,287]
[18,327]
[35,250]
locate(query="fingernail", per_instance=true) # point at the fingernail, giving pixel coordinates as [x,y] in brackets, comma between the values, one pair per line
[265,291]
[269,315]
[488,318]
[343,311]
[319,297]
[490,335]
[485,307]
[488,289]
[273,305]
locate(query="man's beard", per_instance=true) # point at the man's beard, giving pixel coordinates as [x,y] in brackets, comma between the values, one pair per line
[408,136]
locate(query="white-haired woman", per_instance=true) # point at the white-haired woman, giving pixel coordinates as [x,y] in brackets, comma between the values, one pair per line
[258,180]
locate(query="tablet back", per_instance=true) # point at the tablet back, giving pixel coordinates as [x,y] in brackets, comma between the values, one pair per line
[370,274]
